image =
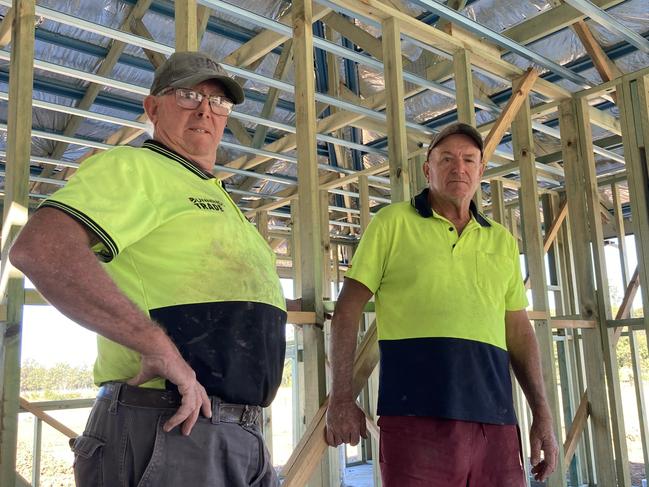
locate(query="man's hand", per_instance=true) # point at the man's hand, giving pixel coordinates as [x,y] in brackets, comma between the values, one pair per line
[542,438]
[345,423]
[176,370]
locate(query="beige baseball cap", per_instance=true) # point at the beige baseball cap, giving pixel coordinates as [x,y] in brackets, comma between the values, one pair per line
[187,69]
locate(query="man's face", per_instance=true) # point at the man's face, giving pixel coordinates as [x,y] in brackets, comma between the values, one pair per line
[454,168]
[195,134]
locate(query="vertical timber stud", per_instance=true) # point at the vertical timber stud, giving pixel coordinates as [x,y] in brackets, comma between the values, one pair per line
[417,176]
[633,345]
[603,295]
[497,201]
[298,377]
[633,100]
[464,99]
[364,202]
[373,381]
[397,141]
[261,221]
[524,154]
[592,342]
[296,249]
[334,455]
[464,86]
[326,244]
[308,204]
[16,201]
[621,233]
[186,25]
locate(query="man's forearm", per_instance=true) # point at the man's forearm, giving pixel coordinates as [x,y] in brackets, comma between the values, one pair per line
[528,374]
[526,363]
[87,295]
[344,333]
[69,276]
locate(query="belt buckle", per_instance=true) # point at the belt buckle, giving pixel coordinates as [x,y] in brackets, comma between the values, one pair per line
[249,415]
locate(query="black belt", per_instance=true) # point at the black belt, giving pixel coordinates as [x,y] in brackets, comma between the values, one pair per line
[163,399]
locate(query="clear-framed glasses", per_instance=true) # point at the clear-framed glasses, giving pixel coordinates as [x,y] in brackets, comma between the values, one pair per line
[191,100]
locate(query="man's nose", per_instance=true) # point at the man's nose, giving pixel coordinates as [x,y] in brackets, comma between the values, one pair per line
[203,109]
[459,165]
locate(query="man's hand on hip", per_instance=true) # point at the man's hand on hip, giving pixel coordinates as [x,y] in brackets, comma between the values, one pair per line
[345,423]
[542,439]
[194,398]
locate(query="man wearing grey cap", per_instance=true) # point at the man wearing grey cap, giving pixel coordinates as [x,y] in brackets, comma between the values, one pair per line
[451,319]
[145,247]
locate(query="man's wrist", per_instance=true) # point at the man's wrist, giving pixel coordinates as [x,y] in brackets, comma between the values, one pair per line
[541,412]
[156,342]
[341,398]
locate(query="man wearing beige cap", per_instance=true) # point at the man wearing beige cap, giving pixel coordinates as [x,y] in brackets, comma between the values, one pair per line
[145,247]
[451,319]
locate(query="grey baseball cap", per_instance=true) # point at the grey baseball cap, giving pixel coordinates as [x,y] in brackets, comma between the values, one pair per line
[457,128]
[187,69]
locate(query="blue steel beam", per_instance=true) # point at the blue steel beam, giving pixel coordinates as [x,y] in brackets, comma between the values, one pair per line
[351,81]
[89,48]
[56,87]
[322,83]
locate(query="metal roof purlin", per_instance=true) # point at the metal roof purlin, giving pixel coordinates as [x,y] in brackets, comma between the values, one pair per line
[333,48]
[501,40]
[164,49]
[140,126]
[82,113]
[137,125]
[607,21]
[102,146]
[118,35]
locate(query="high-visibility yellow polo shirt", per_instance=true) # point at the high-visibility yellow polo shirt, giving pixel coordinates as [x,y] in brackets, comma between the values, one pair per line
[440,308]
[177,245]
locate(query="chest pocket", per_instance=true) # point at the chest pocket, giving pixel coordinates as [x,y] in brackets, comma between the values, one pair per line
[494,273]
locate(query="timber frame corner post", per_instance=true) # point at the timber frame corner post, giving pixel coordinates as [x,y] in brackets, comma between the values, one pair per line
[579,174]
[16,202]
[311,245]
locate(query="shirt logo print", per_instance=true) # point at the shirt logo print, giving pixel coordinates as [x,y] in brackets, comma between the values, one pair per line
[207,204]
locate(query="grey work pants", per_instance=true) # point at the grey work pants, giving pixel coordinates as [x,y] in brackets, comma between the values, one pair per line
[125,446]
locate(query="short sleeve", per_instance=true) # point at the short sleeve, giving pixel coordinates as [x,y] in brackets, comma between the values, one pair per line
[515,298]
[109,194]
[370,259]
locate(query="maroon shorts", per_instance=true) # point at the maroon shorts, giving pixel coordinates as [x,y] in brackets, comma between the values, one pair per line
[431,452]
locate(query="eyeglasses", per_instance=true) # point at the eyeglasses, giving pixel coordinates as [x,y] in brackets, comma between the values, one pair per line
[191,100]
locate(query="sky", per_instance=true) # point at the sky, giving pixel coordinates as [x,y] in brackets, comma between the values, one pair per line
[50,338]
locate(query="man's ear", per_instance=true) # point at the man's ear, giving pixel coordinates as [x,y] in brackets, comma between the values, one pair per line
[151,106]
[426,169]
